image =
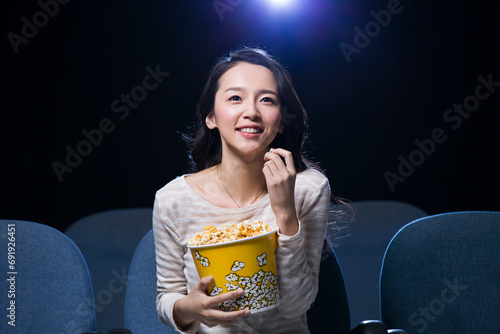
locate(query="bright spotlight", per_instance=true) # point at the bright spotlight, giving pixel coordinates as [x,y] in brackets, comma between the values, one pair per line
[281,3]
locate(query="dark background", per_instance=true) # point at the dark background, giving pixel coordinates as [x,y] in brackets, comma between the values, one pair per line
[363,114]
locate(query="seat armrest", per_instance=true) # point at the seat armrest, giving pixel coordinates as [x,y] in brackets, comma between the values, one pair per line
[119,331]
[370,327]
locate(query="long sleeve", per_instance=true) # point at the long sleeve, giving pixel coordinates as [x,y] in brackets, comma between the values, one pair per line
[172,283]
[299,255]
[179,212]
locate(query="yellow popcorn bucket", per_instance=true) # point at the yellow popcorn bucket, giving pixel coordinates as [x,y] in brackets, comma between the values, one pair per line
[249,264]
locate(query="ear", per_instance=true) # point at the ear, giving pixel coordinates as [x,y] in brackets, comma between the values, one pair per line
[210,120]
[281,129]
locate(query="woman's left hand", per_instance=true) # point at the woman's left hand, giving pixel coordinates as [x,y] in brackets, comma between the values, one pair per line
[280,181]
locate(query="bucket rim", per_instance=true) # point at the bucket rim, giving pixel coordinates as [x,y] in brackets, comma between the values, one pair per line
[226,243]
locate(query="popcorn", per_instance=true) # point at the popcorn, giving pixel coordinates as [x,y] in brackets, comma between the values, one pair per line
[250,266]
[213,235]
[261,290]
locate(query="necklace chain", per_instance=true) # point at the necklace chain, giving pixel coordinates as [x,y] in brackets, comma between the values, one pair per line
[227,191]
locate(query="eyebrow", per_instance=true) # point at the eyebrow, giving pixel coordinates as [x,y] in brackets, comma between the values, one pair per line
[262,91]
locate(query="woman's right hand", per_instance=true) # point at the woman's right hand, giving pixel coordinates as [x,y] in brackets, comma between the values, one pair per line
[197,305]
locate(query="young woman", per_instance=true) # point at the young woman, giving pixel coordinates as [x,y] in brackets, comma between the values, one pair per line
[248,164]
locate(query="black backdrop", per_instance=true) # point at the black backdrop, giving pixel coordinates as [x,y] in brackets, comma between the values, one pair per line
[371,97]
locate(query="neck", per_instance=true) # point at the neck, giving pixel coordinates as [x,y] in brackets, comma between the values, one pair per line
[244,180]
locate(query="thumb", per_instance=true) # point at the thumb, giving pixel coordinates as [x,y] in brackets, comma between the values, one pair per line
[205,282]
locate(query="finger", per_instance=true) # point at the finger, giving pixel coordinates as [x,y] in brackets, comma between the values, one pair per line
[205,282]
[287,155]
[270,171]
[214,321]
[276,176]
[280,172]
[275,162]
[232,315]
[217,316]
[222,317]
[216,300]
[267,174]
[279,162]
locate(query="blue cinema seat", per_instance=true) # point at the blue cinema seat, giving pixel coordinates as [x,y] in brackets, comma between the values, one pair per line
[360,253]
[329,314]
[140,316]
[46,287]
[441,274]
[107,240]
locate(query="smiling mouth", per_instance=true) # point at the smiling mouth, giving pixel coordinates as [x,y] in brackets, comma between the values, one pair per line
[250,130]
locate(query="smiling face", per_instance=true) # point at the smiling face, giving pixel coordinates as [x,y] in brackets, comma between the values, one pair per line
[247,110]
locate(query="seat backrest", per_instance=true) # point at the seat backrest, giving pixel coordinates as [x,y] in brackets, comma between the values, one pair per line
[360,253]
[330,311]
[329,314]
[107,240]
[140,315]
[46,287]
[441,274]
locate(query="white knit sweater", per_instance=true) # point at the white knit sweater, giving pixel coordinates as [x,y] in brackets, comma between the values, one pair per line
[179,213]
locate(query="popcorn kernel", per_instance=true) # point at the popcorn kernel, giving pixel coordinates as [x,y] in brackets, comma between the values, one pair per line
[213,235]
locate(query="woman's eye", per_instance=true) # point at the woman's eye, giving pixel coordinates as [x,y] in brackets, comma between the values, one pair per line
[268,100]
[235,98]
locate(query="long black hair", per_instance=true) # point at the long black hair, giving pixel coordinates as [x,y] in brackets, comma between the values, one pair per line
[205,145]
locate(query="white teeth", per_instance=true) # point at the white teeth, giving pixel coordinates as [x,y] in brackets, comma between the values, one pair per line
[249,130]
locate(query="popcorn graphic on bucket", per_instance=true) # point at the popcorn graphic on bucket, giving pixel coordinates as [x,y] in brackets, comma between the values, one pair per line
[242,256]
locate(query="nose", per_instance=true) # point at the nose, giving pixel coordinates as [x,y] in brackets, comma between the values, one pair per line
[251,111]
